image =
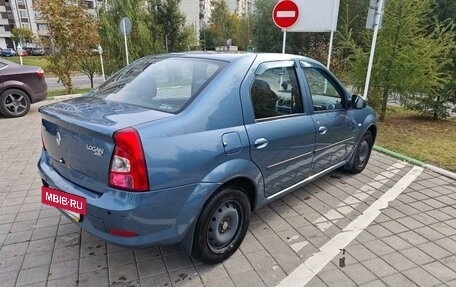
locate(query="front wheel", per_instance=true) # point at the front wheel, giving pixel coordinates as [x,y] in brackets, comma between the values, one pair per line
[222,225]
[362,153]
[14,103]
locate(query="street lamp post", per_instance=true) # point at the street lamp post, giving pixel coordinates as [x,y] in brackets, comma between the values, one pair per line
[100,52]
[19,51]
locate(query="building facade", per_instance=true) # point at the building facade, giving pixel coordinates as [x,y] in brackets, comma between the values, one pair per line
[15,13]
[20,13]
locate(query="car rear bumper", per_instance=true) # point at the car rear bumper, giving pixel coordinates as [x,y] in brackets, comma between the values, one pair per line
[159,217]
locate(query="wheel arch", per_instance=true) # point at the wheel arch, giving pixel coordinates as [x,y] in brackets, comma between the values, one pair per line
[373,130]
[246,185]
[12,85]
[247,178]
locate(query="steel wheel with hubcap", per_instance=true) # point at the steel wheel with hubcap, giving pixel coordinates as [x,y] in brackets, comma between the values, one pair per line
[14,103]
[222,225]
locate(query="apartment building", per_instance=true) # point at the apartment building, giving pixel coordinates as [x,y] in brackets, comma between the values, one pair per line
[239,7]
[15,13]
[21,14]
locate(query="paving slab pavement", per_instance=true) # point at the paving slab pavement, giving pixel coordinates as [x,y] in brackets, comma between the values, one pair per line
[412,242]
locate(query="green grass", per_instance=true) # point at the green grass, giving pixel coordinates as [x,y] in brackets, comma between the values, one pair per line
[419,137]
[31,61]
[61,92]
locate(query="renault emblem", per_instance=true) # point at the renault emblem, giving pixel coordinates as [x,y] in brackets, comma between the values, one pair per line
[58,139]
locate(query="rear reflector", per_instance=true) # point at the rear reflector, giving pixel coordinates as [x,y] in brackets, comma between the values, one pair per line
[120,232]
[128,165]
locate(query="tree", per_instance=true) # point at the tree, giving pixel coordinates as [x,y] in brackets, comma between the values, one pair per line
[89,66]
[141,41]
[221,23]
[243,35]
[72,33]
[267,36]
[22,35]
[207,39]
[172,22]
[408,60]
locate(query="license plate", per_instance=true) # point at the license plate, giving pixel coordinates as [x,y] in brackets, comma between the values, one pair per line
[63,200]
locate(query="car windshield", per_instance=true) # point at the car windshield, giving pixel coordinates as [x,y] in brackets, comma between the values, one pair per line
[164,84]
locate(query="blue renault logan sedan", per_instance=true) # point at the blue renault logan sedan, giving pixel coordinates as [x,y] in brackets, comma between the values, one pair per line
[180,148]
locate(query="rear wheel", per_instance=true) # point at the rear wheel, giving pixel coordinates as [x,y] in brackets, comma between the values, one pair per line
[362,153]
[14,103]
[222,225]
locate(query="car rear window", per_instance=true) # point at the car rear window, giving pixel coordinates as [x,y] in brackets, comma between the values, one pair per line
[159,83]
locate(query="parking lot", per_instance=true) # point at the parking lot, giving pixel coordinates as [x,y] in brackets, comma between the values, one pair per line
[392,225]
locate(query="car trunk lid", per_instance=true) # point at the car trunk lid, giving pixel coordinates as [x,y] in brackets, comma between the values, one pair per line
[78,136]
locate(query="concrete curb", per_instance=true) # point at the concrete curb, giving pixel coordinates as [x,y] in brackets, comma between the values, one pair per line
[436,169]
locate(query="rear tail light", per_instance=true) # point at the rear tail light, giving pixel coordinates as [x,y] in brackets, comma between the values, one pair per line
[128,165]
[40,73]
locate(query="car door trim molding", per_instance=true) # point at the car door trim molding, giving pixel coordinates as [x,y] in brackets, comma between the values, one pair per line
[309,179]
[334,144]
[288,160]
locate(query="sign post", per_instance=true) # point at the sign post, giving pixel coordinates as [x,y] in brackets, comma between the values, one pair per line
[20,51]
[377,18]
[100,52]
[125,28]
[285,14]
[331,37]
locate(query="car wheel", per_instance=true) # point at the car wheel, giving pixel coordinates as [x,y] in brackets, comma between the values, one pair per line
[14,103]
[362,153]
[222,225]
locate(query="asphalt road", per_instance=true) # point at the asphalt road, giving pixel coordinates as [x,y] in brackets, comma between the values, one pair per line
[79,81]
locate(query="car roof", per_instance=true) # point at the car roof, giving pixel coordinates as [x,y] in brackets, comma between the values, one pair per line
[234,56]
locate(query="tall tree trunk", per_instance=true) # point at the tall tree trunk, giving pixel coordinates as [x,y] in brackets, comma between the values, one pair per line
[384,103]
[435,113]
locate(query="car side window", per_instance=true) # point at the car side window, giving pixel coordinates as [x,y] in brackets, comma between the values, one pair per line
[275,92]
[325,96]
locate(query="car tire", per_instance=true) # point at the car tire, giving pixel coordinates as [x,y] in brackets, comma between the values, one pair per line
[222,225]
[362,153]
[14,103]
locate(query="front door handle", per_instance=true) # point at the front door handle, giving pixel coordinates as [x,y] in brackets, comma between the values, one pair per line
[261,143]
[322,130]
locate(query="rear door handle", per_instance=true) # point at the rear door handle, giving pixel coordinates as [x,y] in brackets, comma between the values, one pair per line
[322,130]
[261,143]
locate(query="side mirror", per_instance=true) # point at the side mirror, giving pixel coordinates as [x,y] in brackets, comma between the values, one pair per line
[358,102]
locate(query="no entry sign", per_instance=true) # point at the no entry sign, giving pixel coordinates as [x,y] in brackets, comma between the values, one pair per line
[285,14]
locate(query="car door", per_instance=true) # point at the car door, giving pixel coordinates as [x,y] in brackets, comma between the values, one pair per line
[336,129]
[282,135]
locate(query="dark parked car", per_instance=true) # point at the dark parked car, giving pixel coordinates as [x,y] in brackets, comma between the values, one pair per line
[182,147]
[20,86]
[37,52]
[8,52]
